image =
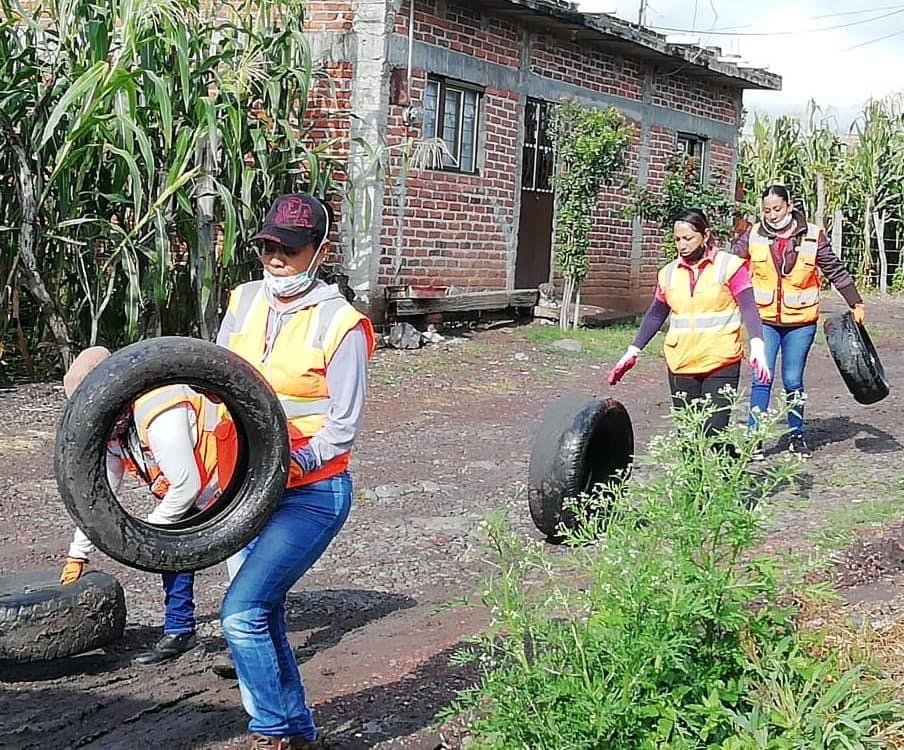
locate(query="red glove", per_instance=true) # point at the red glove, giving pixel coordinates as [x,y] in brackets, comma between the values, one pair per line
[623,365]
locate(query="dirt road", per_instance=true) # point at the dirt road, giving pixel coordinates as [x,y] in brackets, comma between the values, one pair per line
[447,440]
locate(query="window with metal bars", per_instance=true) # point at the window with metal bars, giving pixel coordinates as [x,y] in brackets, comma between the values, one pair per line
[538,155]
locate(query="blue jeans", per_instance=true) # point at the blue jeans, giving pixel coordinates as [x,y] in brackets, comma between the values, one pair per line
[794,344]
[179,615]
[253,611]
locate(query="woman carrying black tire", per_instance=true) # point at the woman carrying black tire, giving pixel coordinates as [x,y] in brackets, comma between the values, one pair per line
[161,441]
[313,348]
[787,257]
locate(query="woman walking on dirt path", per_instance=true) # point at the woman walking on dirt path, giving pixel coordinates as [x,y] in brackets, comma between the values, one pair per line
[707,295]
[163,444]
[786,256]
[313,347]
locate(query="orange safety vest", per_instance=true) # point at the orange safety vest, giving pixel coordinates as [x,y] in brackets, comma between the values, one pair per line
[705,325]
[790,297]
[295,366]
[145,468]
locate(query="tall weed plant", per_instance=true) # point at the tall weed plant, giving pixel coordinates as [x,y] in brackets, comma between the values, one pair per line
[657,628]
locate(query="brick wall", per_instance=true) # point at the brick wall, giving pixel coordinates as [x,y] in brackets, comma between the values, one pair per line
[695,96]
[328,121]
[721,160]
[460,230]
[560,60]
[462,27]
[456,227]
[328,15]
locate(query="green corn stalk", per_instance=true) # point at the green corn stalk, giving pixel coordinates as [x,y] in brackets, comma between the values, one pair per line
[149,137]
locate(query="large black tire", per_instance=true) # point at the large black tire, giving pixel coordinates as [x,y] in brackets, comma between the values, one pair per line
[238,515]
[856,358]
[40,620]
[583,441]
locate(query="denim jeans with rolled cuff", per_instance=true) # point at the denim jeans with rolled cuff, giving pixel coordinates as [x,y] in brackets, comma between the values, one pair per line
[254,612]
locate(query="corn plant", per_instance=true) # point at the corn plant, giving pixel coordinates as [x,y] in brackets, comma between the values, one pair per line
[876,177]
[146,137]
[820,153]
[770,156]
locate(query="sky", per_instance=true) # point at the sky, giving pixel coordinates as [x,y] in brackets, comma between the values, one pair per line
[841,68]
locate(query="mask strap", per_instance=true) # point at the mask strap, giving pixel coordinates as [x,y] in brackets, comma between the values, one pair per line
[326,234]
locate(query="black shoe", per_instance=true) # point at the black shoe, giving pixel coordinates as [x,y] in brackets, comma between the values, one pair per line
[798,446]
[223,666]
[168,647]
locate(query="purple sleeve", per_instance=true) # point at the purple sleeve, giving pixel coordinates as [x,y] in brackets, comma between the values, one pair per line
[741,246]
[750,313]
[652,321]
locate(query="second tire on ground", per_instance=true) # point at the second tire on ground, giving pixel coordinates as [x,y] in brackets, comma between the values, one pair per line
[583,440]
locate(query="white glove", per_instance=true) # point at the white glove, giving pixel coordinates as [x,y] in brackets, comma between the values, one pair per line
[624,364]
[758,361]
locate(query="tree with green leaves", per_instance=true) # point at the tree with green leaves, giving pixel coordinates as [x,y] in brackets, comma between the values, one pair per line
[145,137]
[590,147]
[681,189]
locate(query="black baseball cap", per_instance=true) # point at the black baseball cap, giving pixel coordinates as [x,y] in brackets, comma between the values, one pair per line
[295,220]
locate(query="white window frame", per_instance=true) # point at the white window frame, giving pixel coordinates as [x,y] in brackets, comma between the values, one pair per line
[442,87]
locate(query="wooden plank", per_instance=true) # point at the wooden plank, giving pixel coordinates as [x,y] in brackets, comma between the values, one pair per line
[466,302]
[589,316]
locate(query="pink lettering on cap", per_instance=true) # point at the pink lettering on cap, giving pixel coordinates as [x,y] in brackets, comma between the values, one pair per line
[294,212]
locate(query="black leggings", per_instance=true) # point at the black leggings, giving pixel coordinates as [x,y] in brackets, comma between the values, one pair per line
[697,386]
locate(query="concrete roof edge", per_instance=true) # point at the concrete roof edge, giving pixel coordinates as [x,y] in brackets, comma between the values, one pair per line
[693,56]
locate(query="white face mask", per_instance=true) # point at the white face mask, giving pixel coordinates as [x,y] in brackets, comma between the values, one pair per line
[780,225]
[288,286]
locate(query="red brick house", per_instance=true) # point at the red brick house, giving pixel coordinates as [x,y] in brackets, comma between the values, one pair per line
[482,77]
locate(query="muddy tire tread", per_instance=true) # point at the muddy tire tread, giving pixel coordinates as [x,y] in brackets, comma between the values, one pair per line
[43,620]
[563,461]
[244,508]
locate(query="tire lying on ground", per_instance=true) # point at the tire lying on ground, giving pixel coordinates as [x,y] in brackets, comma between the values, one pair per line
[583,441]
[39,619]
[856,358]
[259,478]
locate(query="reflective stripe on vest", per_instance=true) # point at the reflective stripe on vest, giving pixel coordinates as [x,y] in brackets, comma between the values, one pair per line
[787,298]
[705,322]
[295,363]
[705,325]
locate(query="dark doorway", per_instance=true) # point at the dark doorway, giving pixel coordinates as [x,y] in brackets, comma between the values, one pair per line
[535,226]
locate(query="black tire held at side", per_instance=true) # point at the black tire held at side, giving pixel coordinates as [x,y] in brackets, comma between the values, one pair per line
[583,440]
[856,358]
[246,504]
[41,620]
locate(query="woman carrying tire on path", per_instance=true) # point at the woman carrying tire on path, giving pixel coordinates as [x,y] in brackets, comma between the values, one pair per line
[163,444]
[707,295]
[786,256]
[313,347]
